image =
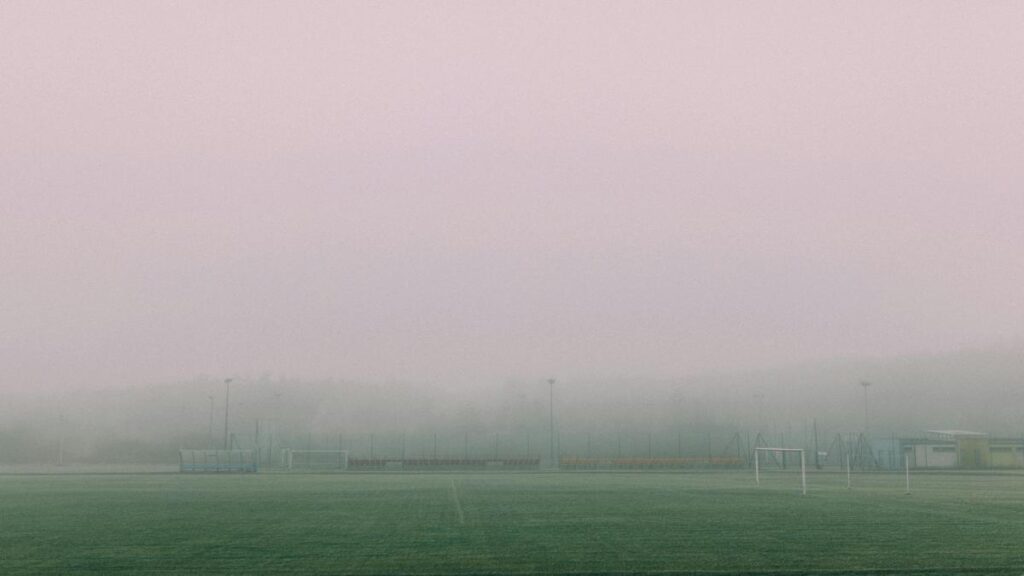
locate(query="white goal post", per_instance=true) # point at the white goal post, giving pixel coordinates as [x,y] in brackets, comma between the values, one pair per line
[803,465]
[329,459]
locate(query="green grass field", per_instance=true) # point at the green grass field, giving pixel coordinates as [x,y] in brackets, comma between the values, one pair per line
[509,523]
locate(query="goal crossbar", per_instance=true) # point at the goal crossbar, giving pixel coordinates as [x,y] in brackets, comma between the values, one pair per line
[803,465]
[336,457]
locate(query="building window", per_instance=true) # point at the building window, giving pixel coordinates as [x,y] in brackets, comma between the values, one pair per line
[943,449]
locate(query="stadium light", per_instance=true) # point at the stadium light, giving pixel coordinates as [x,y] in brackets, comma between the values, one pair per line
[227,408]
[865,385]
[551,430]
[209,440]
[60,442]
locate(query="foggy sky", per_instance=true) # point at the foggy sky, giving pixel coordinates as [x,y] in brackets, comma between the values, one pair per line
[472,191]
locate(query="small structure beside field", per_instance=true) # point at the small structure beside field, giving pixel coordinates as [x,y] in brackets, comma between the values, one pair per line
[963,449]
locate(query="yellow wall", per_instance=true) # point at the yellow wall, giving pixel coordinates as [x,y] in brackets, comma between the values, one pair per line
[1003,458]
[974,453]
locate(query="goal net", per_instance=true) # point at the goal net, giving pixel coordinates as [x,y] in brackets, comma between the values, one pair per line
[217,461]
[777,459]
[315,459]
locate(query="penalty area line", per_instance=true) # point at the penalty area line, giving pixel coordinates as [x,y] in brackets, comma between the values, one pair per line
[458,505]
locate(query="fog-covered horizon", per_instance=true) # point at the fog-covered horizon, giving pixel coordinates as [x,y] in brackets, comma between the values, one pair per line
[632,416]
[976,389]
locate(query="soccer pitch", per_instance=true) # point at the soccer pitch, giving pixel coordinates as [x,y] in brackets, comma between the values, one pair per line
[510,523]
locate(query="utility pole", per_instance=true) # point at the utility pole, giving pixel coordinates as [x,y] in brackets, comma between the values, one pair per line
[817,462]
[275,422]
[865,386]
[551,407]
[209,439]
[60,443]
[892,449]
[257,438]
[227,407]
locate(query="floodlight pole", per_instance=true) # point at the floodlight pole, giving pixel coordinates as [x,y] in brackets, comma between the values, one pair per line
[551,411]
[209,440]
[865,386]
[803,472]
[906,461]
[60,443]
[817,461]
[273,429]
[227,407]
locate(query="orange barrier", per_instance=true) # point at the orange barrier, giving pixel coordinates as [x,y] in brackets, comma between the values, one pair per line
[717,462]
[426,463]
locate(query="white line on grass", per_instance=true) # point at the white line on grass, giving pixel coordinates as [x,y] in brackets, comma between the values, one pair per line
[458,506]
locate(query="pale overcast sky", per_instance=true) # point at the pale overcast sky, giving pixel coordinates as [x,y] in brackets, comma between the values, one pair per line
[468,191]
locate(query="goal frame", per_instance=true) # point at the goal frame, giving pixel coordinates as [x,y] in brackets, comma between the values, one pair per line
[217,461]
[288,458]
[803,465]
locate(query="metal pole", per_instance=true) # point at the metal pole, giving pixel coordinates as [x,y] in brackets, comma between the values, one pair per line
[782,442]
[551,424]
[803,472]
[865,385]
[746,448]
[209,441]
[906,460]
[848,485]
[60,443]
[757,467]
[227,406]
[817,461]
[892,450]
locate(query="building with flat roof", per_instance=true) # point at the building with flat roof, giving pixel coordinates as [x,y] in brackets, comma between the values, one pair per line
[963,449]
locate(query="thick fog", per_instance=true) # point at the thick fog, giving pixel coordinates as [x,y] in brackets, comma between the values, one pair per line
[400,219]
